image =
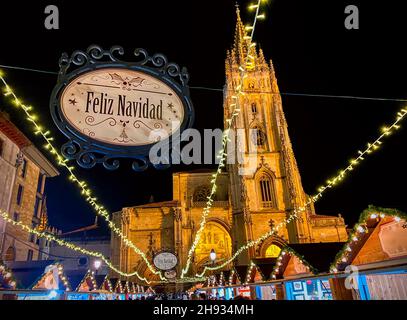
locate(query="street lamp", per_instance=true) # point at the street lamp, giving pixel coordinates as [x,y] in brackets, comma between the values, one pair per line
[212,256]
[97,264]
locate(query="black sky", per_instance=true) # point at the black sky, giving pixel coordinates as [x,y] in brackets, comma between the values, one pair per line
[312,53]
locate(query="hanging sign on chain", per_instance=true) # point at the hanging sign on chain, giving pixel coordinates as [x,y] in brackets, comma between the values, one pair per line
[111,109]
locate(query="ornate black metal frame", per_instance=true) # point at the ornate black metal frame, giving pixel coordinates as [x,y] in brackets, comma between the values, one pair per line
[87,151]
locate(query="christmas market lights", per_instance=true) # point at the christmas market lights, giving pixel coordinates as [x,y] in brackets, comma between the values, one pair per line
[331,183]
[6,278]
[85,190]
[234,105]
[63,277]
[69,245]
[285,252]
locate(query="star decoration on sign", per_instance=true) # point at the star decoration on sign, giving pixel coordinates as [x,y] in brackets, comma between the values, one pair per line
[170,105]
[73,102]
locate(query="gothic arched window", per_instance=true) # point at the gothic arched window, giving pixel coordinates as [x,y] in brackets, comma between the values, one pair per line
[202,193]
[267,196]
[273,251]
[254,107]
[259,137]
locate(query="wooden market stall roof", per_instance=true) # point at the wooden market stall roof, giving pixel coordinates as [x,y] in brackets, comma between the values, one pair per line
[377,228]
[30,274]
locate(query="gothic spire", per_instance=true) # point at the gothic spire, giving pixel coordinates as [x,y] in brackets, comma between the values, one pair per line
[44,216]
[262,60]
[273,78]
[240,45]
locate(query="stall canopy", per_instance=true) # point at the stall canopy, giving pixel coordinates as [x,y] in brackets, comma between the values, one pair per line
[254,274]
[107,284]
[88,283]
[41,274]
[305,259]
[234,277]
[380,236]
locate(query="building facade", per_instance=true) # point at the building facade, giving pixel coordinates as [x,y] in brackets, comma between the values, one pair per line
[252,196]
[23,171]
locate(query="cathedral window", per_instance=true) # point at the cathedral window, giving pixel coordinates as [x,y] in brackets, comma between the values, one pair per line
[254,107]
[202,193]
[273,251]
[259,137]
[266,192]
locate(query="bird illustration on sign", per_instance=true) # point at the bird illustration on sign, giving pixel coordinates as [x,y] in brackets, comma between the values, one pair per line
[126,83]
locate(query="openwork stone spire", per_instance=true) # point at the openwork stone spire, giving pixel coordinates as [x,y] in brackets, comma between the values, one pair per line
[240,44]
[44,217]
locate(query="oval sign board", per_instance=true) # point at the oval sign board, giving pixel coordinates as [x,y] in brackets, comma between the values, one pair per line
[121,107]
[165,260]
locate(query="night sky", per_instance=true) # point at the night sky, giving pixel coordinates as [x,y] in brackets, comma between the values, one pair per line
[312,53]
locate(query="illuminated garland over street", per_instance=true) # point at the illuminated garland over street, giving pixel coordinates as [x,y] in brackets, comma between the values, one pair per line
[371,146]
[85,191]
[69,245]
[248,65]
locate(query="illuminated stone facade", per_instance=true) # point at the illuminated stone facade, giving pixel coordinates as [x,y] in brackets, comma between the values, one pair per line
[23,171]
[246,206]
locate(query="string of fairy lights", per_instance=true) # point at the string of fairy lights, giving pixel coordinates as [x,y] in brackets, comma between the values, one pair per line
[330,183]
[235,107]
[69,245]
[85,190]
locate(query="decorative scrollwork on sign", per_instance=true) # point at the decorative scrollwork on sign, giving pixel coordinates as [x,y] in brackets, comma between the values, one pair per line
[97,90]
[95,54]
[90,121]
[156,125]
[86,157]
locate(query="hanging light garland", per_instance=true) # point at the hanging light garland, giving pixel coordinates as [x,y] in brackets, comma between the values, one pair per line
[63,277]
[235,106]
[331,183]
[69,245]
[85,190]
[289,252]
[107,283]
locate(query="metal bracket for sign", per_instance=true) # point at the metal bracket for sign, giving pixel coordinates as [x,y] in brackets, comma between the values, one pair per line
[87,151]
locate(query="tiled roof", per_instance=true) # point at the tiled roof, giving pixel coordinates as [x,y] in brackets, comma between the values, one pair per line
[13,133]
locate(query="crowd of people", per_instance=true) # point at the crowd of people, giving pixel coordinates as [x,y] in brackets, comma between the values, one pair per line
[186,296]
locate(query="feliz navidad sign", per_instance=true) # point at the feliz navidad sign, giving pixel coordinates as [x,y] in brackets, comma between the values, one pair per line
[111,109]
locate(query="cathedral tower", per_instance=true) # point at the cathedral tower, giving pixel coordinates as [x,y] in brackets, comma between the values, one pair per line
[272,189]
